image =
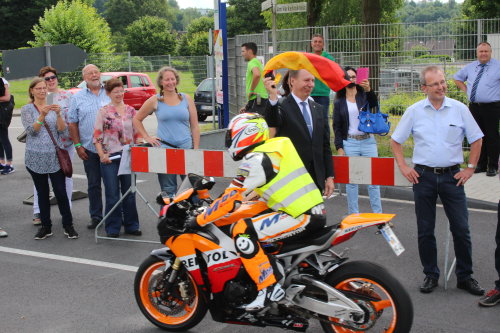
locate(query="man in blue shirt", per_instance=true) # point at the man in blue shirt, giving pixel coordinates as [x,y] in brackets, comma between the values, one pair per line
[483,90]
[438,125]
[83,109]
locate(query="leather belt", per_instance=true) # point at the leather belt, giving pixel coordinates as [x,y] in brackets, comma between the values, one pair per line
[486,104]
[437,170]
[359,137]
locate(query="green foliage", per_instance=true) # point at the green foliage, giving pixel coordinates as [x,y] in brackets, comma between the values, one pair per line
[182,47]
[429,11]
[475,9]
[201,24]
[244,17]
[339,12]
[73,22]
[198,44]
[195,41]
[288,20]
[396,104]
[149,36]
[121,13]
[436,57]
[17,20]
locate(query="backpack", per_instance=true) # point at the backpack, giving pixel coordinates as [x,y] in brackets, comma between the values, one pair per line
[6,108]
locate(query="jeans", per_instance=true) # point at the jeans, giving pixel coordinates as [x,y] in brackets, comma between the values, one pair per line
[497,250]
[126,212]
[69,185]
[92,168]
[366,147]
[5,144]
[168,183]
[429,187]
[58,185]
[325,102]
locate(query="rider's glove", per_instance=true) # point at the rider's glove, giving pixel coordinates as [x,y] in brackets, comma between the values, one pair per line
[191,223]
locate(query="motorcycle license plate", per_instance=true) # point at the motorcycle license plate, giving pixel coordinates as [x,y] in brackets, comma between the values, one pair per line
[392,240]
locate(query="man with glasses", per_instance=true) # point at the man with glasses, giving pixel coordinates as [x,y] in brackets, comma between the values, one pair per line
[82,114]
[438,125]
[483,90]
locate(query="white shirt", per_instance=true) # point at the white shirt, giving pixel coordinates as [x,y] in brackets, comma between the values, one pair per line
[352,108]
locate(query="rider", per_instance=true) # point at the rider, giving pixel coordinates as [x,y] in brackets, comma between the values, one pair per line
[273,169]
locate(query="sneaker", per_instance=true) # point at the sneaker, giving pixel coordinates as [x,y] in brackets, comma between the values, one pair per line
[3,233]
[70,232]
[267,295]
[491,298]
[7,169]
[43,233]
[36,219]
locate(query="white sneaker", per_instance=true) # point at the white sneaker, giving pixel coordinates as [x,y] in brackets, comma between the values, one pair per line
[272,293]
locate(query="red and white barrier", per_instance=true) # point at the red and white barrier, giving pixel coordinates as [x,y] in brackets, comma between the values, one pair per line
[218,163]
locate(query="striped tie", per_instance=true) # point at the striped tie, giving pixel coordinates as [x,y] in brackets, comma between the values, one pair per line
[476,82]
[307,118]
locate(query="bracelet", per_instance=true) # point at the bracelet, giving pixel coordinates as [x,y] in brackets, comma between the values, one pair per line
[39,122]
[78,145]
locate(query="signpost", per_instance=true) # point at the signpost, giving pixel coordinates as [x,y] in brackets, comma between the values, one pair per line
[291,7]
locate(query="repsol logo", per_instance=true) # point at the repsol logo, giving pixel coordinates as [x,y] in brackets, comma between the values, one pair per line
[217,257]
[190,262]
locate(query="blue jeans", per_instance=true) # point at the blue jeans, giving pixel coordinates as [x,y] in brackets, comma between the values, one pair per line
[429,187]
[58,181]
[92,168]
[126,212]
[168,183]
[366,147]
[325,102]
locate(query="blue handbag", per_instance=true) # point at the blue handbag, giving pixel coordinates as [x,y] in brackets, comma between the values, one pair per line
[373,123]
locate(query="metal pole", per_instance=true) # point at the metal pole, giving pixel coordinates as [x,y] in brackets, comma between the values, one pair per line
[479,31]
[275,46]
[48,61]
[129,63]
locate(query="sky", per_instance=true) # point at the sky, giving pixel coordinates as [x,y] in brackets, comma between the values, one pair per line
[196,3]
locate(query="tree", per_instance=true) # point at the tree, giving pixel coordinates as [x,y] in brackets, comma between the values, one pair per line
[475,9]
[18,19]
[149,36]
[314,9]
[244,17]
[370,44]
[73,22]
[121,13]
[202,24]
[195,41]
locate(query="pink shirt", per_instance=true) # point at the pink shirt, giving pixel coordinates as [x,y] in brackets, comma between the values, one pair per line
[114,131]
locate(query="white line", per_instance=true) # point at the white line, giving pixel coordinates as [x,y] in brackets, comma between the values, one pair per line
[69,259]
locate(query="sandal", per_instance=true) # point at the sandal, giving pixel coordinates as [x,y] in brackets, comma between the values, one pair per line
[36,219]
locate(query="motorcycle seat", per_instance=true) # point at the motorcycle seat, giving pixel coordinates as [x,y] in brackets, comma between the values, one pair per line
[317,238]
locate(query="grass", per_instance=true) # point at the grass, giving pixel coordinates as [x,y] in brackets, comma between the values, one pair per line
[19,88]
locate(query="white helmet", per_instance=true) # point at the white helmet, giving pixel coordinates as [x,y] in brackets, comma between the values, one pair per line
[245,132]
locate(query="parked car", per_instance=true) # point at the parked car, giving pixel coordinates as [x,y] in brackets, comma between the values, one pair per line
[138,86]
[203,99]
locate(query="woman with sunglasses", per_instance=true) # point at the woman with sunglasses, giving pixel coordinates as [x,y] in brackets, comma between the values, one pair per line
[61,97]
[349,140]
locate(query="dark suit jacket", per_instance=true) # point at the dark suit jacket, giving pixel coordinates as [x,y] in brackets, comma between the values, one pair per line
[341,114]
[314,151]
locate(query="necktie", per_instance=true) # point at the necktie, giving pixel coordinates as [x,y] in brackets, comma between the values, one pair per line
[307,117]
[476,82]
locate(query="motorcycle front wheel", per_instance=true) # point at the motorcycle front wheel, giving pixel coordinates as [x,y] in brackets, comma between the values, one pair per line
[386,303]
[173,307]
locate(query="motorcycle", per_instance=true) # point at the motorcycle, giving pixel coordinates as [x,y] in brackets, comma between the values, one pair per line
[199,270]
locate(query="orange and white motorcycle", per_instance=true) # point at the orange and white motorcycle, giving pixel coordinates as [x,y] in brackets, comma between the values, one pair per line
[199,270]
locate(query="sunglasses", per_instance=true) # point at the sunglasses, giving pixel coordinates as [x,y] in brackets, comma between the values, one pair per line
[48,78]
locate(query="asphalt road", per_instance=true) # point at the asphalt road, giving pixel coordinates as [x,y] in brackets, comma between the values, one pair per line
[89,288]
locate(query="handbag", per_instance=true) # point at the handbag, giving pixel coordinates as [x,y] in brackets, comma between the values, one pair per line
[62,156]
[6,111]
[22,137]
[373,123]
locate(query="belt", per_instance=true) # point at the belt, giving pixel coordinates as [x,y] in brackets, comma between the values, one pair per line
[438,171]
[359,137]
[485,104]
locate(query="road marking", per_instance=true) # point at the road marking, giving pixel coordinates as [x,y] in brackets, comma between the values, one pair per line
[69,259]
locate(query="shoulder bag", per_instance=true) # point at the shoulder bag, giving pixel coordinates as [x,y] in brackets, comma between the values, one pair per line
[373,123]
[6,110]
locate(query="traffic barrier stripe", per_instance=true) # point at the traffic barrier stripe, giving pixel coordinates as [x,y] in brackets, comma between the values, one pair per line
[218,163]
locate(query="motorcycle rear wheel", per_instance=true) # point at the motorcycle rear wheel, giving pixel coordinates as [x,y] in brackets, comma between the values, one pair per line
[387,304]
[168,311]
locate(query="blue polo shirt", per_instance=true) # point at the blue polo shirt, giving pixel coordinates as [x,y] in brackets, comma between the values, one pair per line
[83,108]
[488,89]
[437,134]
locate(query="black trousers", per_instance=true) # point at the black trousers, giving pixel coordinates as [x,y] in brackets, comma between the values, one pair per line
[487,116]
[497,251]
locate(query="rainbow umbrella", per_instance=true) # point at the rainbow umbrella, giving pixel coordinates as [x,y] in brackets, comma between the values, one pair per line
[324,69]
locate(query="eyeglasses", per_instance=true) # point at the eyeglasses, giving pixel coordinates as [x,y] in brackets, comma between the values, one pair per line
[436,84]
[48,78]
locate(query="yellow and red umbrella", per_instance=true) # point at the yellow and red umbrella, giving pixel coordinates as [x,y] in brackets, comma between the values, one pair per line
[324,69]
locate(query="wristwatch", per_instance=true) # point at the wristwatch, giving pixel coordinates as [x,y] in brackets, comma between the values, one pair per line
[472,166]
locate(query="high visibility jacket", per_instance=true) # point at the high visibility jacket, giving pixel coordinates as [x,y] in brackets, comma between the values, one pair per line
[292,190]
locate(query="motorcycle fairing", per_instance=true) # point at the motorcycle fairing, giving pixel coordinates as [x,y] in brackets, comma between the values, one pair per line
[355,222]
[221,206]
[246,210]
[222,265]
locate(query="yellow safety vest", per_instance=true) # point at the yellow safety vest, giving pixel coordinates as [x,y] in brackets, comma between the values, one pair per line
[292,190]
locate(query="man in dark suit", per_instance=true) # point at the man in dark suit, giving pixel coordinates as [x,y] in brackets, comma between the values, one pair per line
[302,120]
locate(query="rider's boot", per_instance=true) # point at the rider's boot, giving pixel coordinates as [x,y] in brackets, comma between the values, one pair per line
[265,296]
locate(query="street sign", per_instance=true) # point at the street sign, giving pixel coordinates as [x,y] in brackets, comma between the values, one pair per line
[267,4]
[20,64]
[291,7]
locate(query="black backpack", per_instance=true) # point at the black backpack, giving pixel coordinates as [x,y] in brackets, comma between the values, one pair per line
[6,108]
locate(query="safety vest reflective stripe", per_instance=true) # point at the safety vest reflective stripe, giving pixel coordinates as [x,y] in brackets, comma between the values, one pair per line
[294,196]
[285,180]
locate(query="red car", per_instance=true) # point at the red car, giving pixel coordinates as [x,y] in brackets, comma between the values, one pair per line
[138,86]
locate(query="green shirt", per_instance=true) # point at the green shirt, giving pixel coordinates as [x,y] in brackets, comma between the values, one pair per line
[260,89]
[321,89]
